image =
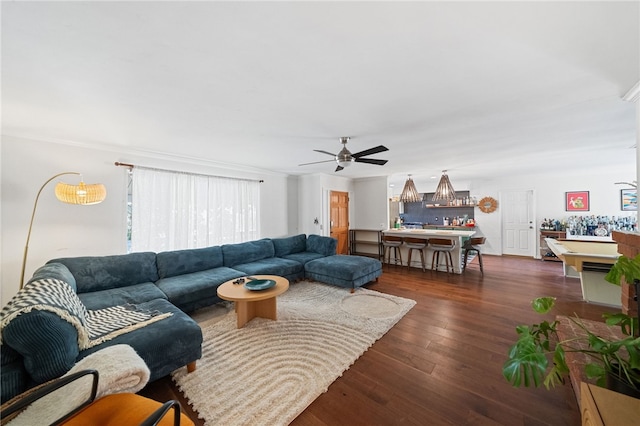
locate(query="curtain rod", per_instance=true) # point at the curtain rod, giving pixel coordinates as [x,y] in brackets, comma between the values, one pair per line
[131,166]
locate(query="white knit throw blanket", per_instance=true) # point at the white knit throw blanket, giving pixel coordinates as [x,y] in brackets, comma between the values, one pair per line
[120,370]
[94,326]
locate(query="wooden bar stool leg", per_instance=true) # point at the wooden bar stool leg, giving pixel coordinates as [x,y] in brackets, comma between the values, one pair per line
[480,261]
[435,264]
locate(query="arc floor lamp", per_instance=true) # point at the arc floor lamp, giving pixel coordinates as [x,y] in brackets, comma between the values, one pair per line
[81,194]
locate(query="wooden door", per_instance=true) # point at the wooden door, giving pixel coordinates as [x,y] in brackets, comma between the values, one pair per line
[517,223]
[339,220]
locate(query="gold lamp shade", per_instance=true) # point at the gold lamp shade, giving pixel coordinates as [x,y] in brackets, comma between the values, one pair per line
[81,193]
[445,190]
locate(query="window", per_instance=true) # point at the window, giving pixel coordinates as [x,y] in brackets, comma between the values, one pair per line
[174,210]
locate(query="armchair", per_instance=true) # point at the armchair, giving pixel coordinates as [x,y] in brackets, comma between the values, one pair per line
[120,409]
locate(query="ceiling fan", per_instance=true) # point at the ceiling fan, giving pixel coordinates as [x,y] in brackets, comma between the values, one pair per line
[344,158]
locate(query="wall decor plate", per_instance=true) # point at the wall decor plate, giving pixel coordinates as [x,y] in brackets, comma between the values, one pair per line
[488,205]
[256,285]
[601,232]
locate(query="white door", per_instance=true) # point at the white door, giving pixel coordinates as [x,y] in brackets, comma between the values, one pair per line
[518,230]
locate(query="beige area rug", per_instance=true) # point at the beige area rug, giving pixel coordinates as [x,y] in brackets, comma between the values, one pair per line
[269,371]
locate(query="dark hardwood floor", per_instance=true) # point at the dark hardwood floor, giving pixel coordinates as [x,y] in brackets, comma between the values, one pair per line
[441,364]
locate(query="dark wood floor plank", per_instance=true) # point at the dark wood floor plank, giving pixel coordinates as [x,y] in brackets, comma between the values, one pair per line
[441,364]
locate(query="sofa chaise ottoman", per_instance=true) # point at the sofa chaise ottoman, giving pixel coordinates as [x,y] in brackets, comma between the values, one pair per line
[344,271]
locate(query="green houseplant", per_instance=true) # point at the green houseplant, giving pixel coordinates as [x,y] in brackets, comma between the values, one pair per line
[538,355]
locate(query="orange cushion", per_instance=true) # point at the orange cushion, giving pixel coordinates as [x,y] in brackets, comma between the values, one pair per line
[122,409]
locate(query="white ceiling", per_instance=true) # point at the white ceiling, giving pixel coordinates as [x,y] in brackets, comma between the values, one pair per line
[482,89]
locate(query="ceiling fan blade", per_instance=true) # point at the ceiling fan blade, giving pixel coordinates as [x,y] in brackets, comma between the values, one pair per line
[371,161]
[316,162]
[324,152]
[339,168]
[377,149]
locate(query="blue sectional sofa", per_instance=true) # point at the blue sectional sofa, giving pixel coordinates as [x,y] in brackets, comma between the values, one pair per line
[38,346]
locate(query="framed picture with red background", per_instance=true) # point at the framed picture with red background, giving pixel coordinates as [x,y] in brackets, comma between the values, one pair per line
[577,201]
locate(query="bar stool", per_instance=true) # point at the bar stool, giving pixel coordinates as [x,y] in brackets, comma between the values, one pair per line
[471,245]
[445,246]
[415,244]
[391,242]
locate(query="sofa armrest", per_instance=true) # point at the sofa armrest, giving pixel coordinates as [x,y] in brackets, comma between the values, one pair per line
[54,270]
[48,344]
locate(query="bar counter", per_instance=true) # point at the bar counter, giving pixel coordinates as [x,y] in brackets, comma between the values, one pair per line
[457,236]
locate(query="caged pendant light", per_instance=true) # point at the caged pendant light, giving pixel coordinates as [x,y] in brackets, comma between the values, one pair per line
[445,190]
[409,192]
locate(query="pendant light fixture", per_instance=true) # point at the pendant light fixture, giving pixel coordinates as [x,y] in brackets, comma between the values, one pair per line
[409,192]
[445,190]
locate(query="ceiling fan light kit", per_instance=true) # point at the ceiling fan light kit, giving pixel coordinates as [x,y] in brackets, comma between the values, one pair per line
[344,158]
[445,190]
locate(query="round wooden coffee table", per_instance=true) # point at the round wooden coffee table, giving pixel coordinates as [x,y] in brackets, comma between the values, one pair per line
[253,303]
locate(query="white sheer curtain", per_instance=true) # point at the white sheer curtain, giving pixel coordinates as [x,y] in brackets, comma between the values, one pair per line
[173,210]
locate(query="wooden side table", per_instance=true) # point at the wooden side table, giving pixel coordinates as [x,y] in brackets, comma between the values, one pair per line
[249,303]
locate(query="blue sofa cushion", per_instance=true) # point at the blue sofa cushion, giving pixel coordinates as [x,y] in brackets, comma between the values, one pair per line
[94,273]
[303,257]
[272,266]
[134,294]
[55,271]
[180,262]
[47,343]
[184,290]
[164,345]
[289,245]
[250,251]
[325,246]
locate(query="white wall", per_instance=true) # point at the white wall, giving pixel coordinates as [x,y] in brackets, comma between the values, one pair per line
[370,203]
[62,230]
[310,205]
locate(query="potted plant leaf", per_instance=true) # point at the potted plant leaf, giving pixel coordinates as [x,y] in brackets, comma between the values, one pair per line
[538,355]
